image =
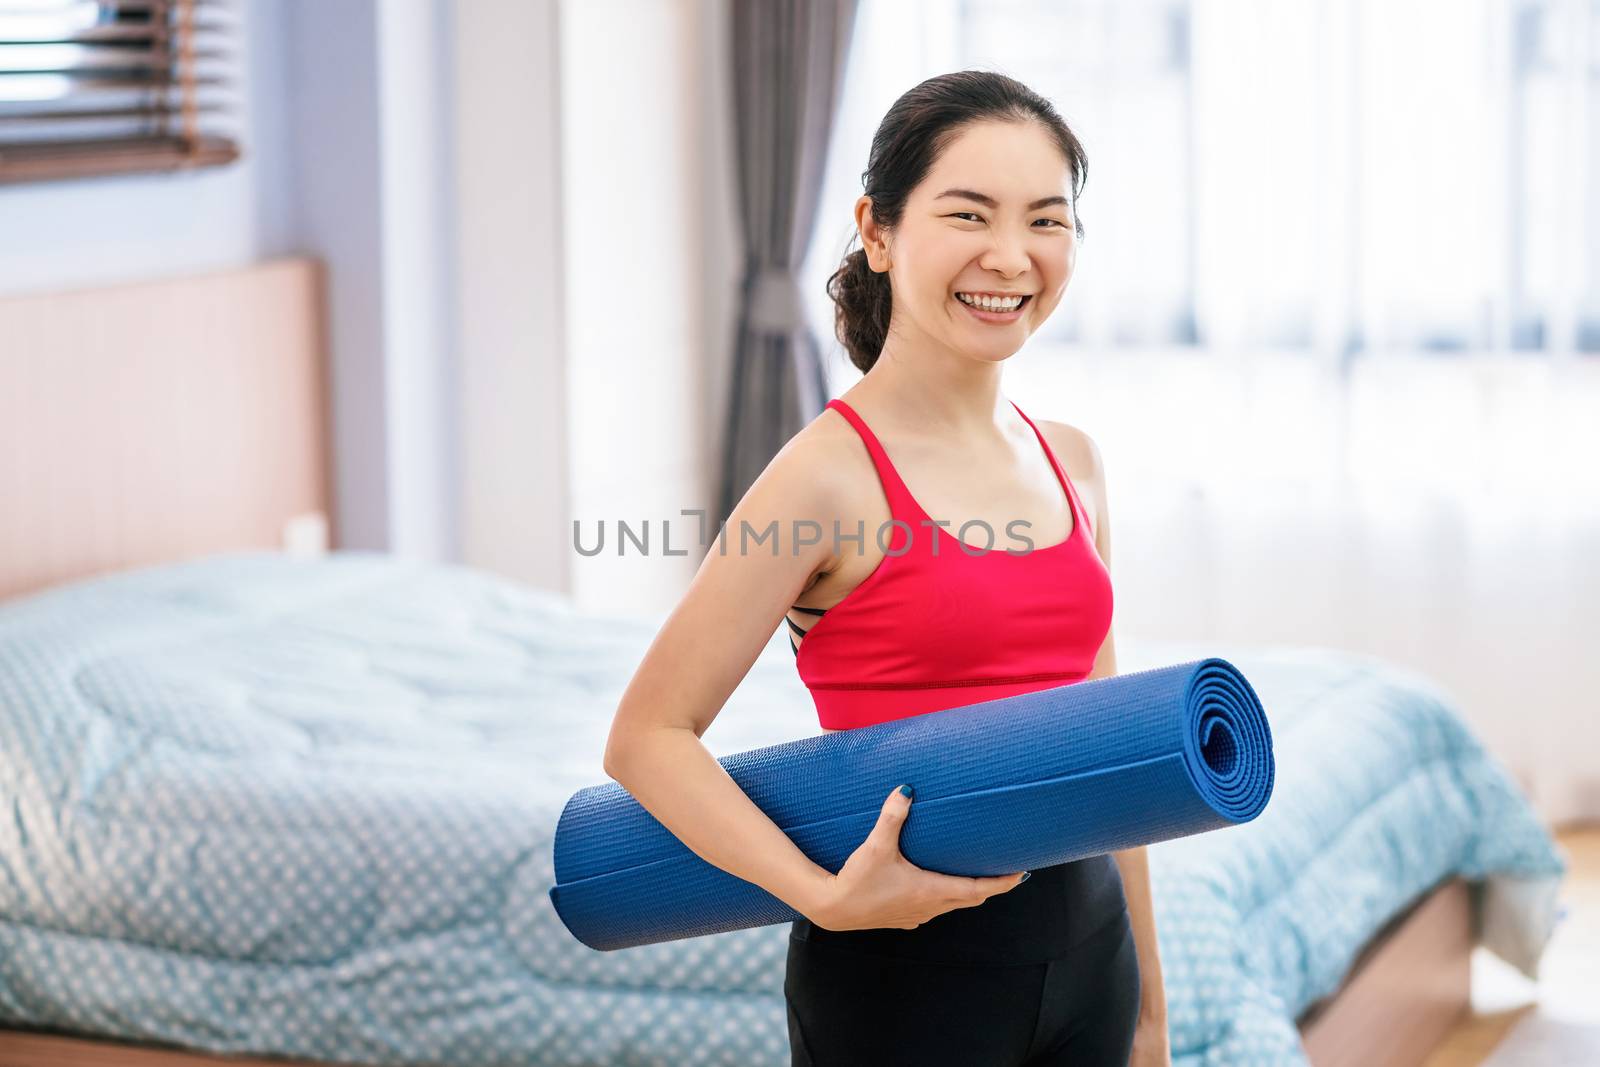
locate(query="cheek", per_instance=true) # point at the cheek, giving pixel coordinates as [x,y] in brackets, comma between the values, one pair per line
[1058,273]
[1066,260]
[938,263]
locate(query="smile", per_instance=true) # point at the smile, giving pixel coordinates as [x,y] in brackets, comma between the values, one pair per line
[993,315]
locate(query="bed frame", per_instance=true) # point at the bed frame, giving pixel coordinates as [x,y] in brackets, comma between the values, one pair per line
[1406,990]
[156,421]
[148,423]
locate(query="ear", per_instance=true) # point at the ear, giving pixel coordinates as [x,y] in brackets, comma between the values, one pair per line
[874,240]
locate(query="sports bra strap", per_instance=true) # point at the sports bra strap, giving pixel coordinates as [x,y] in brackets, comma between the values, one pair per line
[902,505]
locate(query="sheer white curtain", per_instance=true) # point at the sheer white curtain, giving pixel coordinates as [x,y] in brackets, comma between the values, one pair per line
[1335,325]
[1338,176]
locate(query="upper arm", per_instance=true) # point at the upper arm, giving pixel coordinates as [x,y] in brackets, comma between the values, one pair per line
[736,599]
[1086,467]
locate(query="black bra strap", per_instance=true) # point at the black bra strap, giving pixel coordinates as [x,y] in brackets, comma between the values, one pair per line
[796,628]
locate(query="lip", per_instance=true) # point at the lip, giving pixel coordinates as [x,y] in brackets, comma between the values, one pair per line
[1000,317]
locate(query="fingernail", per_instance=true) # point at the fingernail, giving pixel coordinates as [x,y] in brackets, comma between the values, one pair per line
[906,789]
[1025,876]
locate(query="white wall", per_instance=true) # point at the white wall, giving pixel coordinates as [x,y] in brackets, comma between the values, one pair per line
[416,92]
[633,119]
[369,93]
[332,110]
[510,281]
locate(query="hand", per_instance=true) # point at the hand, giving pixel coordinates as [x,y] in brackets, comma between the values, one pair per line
[878,886]
[1151,1045]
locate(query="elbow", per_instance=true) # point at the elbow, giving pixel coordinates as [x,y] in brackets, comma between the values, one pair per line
[611,763]
[624,750]
[617,757]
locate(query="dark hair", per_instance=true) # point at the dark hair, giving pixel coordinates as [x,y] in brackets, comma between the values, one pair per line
[916,129]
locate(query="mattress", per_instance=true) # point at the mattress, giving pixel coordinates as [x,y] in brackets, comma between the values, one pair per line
[305,807]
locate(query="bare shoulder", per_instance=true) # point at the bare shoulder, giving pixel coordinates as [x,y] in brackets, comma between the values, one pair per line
[1075,449]
[814,476]
[1078,453]
[819,457]
[747,580]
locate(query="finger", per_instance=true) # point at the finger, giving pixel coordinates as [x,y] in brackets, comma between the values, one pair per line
[893,815]
[998,883]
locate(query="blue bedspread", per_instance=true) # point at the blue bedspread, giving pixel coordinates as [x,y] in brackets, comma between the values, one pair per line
[304,807]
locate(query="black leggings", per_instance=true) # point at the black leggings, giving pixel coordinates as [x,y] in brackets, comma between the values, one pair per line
[848,1007]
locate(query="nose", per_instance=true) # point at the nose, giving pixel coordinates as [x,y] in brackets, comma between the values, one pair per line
[1006,256]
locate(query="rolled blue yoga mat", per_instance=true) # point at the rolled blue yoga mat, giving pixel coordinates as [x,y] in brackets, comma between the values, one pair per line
[1006,785]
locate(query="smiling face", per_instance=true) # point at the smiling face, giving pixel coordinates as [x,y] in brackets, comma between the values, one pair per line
[993,215]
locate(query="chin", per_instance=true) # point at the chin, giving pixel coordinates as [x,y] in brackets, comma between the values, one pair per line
[996,356]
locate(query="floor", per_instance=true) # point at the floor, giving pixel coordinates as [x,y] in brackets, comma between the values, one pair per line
[1556,1021]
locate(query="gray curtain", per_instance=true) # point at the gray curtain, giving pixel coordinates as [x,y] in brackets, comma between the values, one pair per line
[788,68]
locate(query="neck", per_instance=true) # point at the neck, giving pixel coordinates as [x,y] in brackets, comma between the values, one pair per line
[937,391]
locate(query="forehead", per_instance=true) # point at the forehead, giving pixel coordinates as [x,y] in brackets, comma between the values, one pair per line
[1009,161]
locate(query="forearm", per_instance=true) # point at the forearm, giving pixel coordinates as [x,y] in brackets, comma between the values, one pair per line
[1134,863]
[676,778]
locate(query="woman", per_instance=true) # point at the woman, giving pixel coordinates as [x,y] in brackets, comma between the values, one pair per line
[969,233]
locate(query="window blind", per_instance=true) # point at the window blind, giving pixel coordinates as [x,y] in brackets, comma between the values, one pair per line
[95,87]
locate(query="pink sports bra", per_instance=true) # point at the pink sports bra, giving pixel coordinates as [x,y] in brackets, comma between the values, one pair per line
[938,625]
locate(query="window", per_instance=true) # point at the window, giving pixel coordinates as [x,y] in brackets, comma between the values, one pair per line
[95,87]
[1341,177]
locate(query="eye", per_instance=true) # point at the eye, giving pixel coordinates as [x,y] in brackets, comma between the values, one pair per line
[957,214]
[1056,222]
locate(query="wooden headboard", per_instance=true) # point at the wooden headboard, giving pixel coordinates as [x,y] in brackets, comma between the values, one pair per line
[156,421]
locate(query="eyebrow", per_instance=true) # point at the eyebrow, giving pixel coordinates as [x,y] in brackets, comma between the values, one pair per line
[989,201]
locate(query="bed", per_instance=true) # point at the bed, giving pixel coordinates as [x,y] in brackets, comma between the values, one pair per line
[282,804]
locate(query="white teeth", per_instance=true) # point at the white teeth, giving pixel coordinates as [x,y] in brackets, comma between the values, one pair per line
[991,303]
